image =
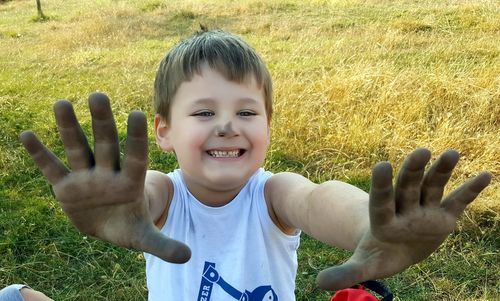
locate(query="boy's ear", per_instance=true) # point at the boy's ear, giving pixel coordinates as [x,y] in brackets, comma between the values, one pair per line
[268,133]
[162,133]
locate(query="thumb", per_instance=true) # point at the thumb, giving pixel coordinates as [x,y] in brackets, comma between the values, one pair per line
[341,276]
[170,250]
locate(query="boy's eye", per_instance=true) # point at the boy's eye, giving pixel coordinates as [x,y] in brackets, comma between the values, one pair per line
[246,113]
[204,114]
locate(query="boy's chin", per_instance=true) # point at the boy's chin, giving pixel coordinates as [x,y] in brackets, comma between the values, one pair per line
[229,180]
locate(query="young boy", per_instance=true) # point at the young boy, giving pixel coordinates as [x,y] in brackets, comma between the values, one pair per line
[242,224]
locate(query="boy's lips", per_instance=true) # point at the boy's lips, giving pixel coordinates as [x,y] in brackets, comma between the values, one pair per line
[226,153]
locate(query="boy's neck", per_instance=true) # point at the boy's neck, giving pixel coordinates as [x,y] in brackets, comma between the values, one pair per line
[209,196]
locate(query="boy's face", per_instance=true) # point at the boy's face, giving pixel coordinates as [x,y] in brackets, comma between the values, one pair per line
[218,130]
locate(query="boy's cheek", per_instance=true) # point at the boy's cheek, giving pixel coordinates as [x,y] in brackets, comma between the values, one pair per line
[192,145]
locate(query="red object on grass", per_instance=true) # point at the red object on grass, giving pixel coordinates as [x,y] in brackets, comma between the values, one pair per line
[353,294]
[359,292]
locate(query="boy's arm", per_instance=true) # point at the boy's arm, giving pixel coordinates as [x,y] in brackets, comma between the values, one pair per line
[159,192]
[334,212]
[391,228]
[102,196]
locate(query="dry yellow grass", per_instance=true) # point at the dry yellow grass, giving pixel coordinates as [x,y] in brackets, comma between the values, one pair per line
[355,82]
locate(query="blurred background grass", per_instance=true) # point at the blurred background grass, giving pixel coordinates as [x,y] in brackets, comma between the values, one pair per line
[355,82]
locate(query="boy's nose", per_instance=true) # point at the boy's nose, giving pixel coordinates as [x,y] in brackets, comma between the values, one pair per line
[225,130]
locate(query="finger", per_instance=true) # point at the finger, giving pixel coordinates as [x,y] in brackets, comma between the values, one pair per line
[456,202]
[75,143]
[407,192]
[339,277]
[381,206]
[106,148]
[436,178]
[52,168]
[136,158]
[165,248]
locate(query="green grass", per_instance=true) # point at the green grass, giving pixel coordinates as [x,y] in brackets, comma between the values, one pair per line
[355,82]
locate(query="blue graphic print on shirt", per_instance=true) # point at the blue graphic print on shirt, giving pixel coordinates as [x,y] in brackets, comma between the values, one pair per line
[211,276]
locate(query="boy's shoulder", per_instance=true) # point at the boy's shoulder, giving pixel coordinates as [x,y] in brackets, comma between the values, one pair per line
[282,183]
[286,187]
[158,179]
[280,189]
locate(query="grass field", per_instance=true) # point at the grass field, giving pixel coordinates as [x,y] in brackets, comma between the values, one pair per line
[355,82]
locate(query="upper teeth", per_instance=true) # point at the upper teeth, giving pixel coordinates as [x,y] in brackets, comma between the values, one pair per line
[218,153]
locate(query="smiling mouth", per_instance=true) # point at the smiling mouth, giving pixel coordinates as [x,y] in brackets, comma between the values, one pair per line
[226,154]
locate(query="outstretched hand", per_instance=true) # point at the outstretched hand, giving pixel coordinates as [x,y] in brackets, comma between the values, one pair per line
[102,197]
[408,221]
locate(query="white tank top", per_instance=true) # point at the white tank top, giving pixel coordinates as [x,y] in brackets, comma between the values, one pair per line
[238,253]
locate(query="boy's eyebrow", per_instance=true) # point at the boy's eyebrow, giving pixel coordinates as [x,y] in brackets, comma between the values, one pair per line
[203,101]
[248,100]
